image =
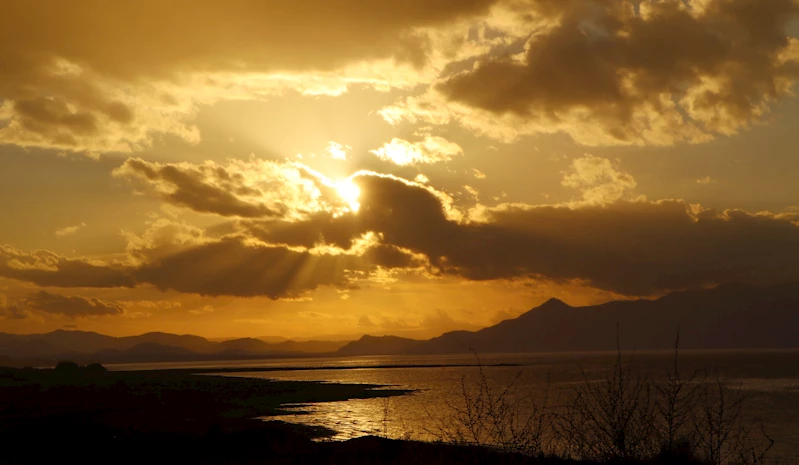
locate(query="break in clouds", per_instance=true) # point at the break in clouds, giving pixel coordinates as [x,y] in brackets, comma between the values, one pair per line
[98,77]
[606,240]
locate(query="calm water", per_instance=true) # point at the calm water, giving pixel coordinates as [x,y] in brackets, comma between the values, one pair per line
[768,380]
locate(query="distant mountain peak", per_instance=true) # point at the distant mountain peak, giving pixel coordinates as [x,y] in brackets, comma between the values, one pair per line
[554,303]
[385,337]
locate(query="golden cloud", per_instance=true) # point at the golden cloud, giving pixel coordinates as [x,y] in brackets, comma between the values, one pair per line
[46,268]
[110,76]
[432,149]
[608,241]
[608,72]
[248,189]
[598,179]
[69,230]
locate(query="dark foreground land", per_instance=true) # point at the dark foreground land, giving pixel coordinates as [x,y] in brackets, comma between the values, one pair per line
[81,415]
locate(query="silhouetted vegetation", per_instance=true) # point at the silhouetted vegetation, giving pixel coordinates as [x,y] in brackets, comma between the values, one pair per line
[156,416]
[626,417]
[182,416]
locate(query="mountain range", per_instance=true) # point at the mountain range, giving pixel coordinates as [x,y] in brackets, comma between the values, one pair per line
[730,316]
[149,347]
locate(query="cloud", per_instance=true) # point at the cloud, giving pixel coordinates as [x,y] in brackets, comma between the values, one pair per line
[472,192]
[422,326]
[599,181]
[93,76]
[11,311]
[159,304]
[162,238]
[249,189]
[366,321]
[439,321]
[610,73]
[431,149]
[608,241]
[202,310]
[72,307]
[46,268]
[236,267]
[337,151]
[630,247]
[231,267]
[705,180]
[69,230]
[478,174]
[603,71]
[171,255]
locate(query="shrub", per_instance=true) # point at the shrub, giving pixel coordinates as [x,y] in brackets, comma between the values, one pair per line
[625,417]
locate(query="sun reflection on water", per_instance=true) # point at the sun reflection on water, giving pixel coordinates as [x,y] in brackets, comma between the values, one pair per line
[772,391]
[349,419]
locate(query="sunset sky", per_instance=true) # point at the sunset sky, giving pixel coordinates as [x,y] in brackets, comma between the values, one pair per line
[330,168]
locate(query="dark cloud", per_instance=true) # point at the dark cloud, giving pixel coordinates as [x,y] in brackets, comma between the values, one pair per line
[245,189]
[13,312]
[152,37]
[205,189]
[669,72]
[72,307]
[632,248]
[49,269]
[95,75]
[391,206]
[233,267]
[230,267]
[627,247]
[317,229]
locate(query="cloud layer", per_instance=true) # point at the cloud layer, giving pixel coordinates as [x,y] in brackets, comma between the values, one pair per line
[611,72]
[72,307]
[628,246]
[247,189]
[102,76]
[106,76]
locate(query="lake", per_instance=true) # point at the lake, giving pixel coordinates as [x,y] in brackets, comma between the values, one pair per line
[768,381]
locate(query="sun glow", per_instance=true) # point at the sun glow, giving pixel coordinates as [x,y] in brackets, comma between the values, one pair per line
[349,192]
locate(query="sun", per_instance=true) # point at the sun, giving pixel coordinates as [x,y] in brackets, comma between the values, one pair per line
[349,192]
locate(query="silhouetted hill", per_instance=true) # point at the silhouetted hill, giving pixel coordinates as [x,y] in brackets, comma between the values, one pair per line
[729,316]
[272,339]
[149,347]
[309,346]
[244,345]
[145,352]
[185,341]
[384,345]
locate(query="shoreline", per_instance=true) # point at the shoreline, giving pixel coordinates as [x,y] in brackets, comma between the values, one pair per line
[163,416]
